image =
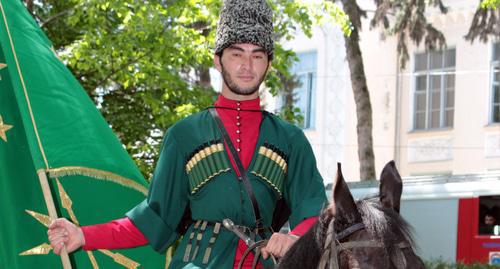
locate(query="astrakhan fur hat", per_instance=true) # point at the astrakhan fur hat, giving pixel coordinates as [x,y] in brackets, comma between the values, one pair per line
[245,21]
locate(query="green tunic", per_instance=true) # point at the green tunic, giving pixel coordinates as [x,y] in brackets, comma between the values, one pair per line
[194,170]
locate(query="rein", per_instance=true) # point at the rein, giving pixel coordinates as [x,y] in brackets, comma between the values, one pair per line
[249,241]
[256,246]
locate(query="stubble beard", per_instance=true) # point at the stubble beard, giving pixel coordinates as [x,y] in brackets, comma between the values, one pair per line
[233,87]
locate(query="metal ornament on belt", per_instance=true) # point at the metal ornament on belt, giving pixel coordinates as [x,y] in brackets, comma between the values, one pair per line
[252,245]
[229,224]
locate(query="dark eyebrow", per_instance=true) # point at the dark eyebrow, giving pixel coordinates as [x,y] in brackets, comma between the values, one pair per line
[259,50]
[235,47]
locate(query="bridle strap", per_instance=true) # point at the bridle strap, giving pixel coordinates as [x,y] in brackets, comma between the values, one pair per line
[350,230]
[400,258]
[333,247]
[360,244]
[329,249]
[403,244]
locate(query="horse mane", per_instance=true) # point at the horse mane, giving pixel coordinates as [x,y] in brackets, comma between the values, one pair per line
[384,224]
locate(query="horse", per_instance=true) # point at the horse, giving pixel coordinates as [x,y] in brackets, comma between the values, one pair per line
[369,233]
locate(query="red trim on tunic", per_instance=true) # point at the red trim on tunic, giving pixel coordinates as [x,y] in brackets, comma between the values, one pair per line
[249,125]
[122,233]
[304,226]
[249,134]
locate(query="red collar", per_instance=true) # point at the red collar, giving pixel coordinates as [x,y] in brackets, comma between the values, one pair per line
[253,104]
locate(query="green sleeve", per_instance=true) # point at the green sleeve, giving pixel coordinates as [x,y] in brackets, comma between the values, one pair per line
[305,191]
[159,214]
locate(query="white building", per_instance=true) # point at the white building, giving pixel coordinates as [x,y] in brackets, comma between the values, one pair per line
[437,116]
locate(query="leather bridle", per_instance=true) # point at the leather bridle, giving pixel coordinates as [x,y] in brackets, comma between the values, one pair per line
[333,246]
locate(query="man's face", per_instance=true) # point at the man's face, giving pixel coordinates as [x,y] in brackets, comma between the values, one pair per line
[243,68]
[489,220]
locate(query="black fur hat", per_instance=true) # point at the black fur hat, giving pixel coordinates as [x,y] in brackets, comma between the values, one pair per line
[245,21]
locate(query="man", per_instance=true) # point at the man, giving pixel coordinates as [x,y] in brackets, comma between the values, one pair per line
[488,226]
[197,171]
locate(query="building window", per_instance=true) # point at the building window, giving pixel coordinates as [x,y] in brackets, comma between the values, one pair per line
[489,215]
[305,92]
[434,95]
[495,85]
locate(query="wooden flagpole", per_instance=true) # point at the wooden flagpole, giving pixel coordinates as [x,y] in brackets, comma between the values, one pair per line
[47,195]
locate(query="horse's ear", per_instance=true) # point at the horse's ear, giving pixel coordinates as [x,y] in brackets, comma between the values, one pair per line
[344,203]
[391,187]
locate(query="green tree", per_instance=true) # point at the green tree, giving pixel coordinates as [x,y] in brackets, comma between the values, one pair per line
[486,21]
[146,66]
[490,4]
[140,63]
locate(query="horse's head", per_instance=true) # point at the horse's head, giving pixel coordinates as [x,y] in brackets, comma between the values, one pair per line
[368,233]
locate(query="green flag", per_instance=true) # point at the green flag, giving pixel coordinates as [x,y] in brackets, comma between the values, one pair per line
[49,124]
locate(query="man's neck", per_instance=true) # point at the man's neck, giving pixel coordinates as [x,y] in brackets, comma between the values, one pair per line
[238,97]
[223,101]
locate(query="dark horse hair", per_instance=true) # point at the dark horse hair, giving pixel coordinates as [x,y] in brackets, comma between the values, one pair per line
[382,224]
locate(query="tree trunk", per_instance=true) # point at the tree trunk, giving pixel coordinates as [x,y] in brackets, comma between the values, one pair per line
[361,95]
[29,5]
[204,78]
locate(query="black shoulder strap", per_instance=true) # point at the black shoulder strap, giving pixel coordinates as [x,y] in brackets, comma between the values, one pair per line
[241,170]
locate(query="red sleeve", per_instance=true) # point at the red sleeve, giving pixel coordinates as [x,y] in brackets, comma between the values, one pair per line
[304,226]
[120,233]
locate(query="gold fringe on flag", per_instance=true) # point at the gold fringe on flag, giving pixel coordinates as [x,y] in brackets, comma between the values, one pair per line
[98,174]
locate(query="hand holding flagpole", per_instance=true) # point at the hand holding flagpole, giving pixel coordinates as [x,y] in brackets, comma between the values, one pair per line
[47,194]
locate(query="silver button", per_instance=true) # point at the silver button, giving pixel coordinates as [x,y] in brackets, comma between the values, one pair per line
[238,117]
[238,149]
[238,140]
[238,124]
[238,131]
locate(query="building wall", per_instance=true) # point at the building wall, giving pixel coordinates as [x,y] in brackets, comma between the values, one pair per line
[379,58]
[471,146]
[468,146]
[327,137]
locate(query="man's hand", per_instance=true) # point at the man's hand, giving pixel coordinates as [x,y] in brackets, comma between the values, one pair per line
[278,245]
[64,233]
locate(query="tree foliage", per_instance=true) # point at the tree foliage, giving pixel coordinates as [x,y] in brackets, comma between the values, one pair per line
[490,4]
[486,22]
[407,21]
[146,63]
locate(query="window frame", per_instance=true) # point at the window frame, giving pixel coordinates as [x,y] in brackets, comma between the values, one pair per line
[494,65]
[488,205]
[311,74]
[428,73]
